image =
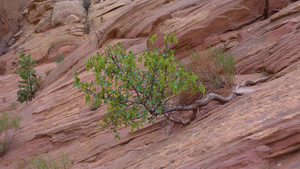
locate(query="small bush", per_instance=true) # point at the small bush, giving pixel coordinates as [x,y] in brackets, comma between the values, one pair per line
[265,72]
[53,45]
[95,104]
[86,4]
[30,82]
[48,71]
[60,57]
[7,126]
[43,162]
[215,70]
[87,25]
[13,105]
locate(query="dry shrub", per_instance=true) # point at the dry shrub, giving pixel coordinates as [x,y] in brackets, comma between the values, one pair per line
[215,70]
[46,162]
[8,126]
[48,71]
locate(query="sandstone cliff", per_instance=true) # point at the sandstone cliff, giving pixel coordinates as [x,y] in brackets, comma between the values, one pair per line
[256,130]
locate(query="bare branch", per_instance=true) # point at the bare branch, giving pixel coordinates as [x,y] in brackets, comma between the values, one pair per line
[200,103]
[266,9]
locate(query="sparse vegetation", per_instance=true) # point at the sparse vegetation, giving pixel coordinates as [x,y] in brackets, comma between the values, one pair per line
[48,71]
[53,45]
[23,41]
[214,68]
[87,25]
[86,4]
[46,162]
[135,95]
[30,83]
[95,104]
[265,72]
[60,57]
[13,105]
[7,132]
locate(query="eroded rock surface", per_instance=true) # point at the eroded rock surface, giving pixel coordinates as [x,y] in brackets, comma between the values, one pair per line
[257,130]
[10,20]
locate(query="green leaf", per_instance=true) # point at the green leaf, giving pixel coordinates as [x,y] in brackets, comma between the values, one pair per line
[87,98]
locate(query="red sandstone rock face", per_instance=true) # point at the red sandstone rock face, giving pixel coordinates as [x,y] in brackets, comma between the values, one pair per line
[10,20]
[257,130]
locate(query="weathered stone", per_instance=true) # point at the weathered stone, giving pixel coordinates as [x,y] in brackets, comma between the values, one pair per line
[63,9]
[18,35]
[44,24]
[11,41]
[72,19]
[41,9]
[77,30]
[33,16]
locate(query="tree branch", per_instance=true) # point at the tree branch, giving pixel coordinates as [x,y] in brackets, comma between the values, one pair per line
[200,103]
[210,97]
[266,9]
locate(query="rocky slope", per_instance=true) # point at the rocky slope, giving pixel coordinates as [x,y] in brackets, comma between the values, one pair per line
[11,19]
[257,130]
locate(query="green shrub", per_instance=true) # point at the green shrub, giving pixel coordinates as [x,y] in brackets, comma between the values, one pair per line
[215,70]
[48,71]
[29,84]
[95,104]
[265,72]
[46,162]
[60,57]
[7,124]
[13,105]
[142,94]
[86,4]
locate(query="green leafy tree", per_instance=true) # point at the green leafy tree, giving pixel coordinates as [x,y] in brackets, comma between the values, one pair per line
[29,84]
[135,95]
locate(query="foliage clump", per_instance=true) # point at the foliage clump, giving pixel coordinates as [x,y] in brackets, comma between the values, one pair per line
[7,126]
[60,57]
[95,104]
[30,83]
[135,95]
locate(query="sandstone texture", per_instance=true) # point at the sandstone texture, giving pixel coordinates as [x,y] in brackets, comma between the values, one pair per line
[10,19]
[257,130]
